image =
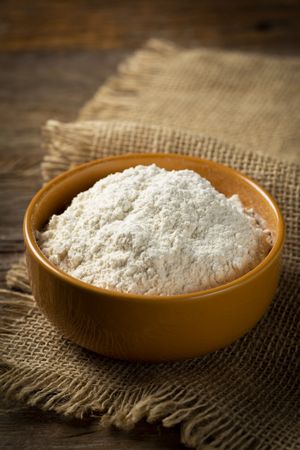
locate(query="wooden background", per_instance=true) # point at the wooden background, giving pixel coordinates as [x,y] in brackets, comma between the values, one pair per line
[53,56]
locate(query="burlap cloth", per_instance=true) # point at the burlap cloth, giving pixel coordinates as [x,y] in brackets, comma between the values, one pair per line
[242,397]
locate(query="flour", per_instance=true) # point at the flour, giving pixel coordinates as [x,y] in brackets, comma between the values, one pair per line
[151,231]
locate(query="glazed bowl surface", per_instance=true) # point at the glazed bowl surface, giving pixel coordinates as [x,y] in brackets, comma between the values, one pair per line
[146,327]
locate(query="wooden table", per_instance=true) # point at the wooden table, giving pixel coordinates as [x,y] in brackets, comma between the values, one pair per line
[53,55]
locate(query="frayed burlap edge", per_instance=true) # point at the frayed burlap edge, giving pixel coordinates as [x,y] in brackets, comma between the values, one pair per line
[171,405]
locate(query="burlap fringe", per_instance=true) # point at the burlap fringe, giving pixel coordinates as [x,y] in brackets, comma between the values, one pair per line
[202,426]
[13,307]
[58,159]
[17,277]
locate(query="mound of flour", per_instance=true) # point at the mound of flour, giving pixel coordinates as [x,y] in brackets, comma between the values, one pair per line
[151,231]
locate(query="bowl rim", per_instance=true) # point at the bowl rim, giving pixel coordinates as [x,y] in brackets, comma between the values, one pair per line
[32,245]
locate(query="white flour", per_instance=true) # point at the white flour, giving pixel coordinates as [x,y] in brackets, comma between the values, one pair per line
[151,231]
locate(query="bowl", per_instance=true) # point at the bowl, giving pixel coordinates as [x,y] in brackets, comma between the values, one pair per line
[142,327]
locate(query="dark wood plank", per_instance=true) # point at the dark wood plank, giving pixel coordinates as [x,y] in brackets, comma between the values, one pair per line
[56,24]
[29,429]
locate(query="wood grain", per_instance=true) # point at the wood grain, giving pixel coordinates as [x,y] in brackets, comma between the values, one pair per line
[29,429]
[53,56]
[56,24]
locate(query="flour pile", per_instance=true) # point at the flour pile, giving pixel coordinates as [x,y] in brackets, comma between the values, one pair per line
[151,231]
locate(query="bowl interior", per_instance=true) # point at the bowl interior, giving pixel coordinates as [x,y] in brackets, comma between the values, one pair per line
[57,195]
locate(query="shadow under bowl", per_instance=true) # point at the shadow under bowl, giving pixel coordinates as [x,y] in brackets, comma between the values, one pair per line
[151,328]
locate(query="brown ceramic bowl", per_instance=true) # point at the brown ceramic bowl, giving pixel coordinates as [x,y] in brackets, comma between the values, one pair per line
[151,328]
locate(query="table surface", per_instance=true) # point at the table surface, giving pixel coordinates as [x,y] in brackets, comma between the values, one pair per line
[53,56]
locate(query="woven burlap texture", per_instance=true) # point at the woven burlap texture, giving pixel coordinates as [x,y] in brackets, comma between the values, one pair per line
[246,99]
[242,397]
